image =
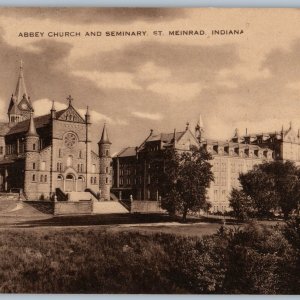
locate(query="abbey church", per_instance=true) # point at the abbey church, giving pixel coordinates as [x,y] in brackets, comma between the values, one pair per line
[41,157]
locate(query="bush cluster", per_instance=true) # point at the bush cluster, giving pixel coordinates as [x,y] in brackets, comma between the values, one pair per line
[253,260]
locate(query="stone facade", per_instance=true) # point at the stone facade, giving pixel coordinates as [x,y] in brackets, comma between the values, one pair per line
[230,158]
[41,156]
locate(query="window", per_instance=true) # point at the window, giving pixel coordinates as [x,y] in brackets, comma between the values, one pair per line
[59,177]
[43,166]
[59,166]
[106,152]
[33,146]
[80,154]
[33,166]
[45,178]
[33,177]
[106,180]
[42,178]
[106,170]
[1,150]
[59,153]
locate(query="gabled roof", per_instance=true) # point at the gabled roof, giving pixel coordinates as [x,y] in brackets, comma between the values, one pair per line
[70,114]
[165,137]
[4,128]
[125,152]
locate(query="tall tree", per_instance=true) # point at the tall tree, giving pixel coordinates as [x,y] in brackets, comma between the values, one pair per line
[270,186]
[183,180]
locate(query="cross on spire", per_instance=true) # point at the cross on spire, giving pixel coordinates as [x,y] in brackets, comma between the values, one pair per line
[70,99]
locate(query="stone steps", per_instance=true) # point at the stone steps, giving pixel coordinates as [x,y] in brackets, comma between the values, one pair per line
[109,207]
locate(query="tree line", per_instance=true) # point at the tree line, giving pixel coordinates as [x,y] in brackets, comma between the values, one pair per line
[182,179]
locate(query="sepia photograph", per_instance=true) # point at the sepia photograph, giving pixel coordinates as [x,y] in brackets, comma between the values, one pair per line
[149,151]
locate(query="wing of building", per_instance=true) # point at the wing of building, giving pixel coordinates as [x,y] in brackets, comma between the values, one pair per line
[44,155]
[230,158]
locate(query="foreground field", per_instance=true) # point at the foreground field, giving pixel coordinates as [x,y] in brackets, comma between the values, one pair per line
[128,258]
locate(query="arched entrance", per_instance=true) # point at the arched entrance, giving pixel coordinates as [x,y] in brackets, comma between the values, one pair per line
[60,182]
[70,185]
[80,184]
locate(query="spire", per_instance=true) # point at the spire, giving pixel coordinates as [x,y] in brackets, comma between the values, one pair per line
[104,137]
[53,110]
[200,122]
[20,88]
[174,138]
[87,115]
[53,106]
[31,129]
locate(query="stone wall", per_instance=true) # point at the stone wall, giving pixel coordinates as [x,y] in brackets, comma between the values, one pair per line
[73,208]
[146,207]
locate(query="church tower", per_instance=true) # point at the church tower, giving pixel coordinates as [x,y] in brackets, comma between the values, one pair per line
[20,105]
[31,161]
[105,165]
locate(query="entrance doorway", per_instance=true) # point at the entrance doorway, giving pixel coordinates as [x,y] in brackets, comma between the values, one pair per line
[70,183]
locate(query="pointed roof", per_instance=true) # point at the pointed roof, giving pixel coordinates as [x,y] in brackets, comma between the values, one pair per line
[20,88]
[200,123]
[31,129]
[53,106]
[104,137]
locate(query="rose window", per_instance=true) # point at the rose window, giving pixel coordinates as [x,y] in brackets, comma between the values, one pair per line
[70,139]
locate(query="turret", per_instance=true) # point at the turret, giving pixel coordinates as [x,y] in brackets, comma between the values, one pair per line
[199,129]
[31,160]
[31,136]
[105,164]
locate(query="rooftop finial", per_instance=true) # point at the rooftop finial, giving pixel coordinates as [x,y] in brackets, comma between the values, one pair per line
[187,125]
[70,99]
[53,106]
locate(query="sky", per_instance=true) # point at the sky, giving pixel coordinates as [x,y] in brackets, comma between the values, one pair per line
[138,83]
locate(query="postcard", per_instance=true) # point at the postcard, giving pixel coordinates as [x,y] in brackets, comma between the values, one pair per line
[149,151]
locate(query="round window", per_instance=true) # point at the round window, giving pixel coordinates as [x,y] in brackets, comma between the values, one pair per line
[70,139]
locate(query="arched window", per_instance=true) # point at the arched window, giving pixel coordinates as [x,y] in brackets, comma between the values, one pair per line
[81,178]
[60,177]
[70,177]
[33,177]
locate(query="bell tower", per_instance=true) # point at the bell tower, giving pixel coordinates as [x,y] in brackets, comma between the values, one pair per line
[20,106]
[105,175]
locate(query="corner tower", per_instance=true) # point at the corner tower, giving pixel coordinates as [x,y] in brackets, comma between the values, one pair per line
[105,165]
[31,161]
[20,106]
